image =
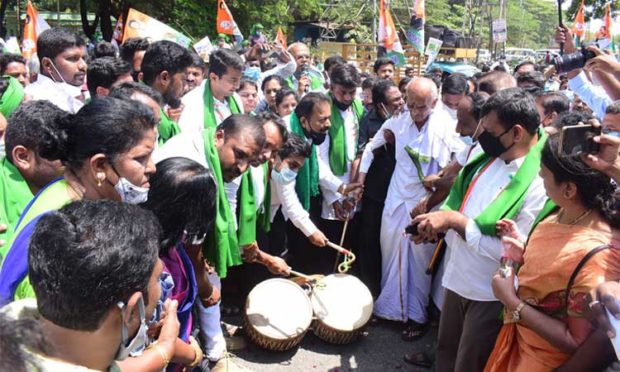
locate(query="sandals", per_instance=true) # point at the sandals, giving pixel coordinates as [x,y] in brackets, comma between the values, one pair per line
[419,359]
[413,331]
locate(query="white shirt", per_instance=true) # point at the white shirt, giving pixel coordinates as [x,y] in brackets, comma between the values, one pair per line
[434,142]
[192,117]
[284,70]
[471,263]
[328,181]
[258,182]
[60,94]
[592,95]
[468,153]
[291,206]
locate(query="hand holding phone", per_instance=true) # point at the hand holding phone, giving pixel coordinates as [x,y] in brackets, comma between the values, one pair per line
[579,139]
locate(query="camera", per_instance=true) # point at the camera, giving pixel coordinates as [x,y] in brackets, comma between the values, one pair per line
[569,62]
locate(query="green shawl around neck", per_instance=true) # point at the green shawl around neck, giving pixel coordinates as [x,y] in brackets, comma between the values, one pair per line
[247,210]
[11,98]
[221,247]
[209,106]
[307,181]
[508,203]
[168,128]
[14,196]
[338,140]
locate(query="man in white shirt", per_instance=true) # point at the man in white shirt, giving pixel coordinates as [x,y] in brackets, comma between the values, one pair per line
[62,56]
[215,99]
[424,145]
[305,79]
[336,155]
[453,90]
[502,183]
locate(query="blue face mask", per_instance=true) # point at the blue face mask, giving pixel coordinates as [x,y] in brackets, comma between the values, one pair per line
[252,73]
[138,343]
[467,140]
[285,176]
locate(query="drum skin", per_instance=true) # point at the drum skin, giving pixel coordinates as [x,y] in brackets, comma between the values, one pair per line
[342,306]
[277,314]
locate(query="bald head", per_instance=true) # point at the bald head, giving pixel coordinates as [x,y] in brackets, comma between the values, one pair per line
[421,99]
[495,81]
[301,53]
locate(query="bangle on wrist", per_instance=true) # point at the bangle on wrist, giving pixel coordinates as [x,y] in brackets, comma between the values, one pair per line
[516,313]
[198,356]
[162,352]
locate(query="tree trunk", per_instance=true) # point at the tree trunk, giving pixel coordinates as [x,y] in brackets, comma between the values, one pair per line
[105,8]
[3,7]
[89,30]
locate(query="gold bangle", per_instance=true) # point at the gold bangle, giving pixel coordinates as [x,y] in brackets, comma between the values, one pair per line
[162,352]
[198,351]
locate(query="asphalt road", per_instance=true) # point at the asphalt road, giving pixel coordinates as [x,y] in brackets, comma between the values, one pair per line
[380,349]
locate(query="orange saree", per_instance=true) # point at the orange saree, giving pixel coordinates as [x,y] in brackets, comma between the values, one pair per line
[552,253]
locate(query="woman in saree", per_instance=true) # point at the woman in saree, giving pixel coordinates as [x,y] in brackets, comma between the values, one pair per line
[568,253]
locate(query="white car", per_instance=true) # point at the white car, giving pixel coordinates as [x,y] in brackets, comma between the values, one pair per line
[520,54]
[484,55]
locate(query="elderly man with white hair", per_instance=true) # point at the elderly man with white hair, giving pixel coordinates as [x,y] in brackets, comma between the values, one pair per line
[306,78]
[425,140]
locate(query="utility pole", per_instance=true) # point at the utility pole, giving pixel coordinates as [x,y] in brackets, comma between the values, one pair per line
[374,21]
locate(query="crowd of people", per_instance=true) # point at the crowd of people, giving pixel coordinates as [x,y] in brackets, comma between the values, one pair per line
[138,184]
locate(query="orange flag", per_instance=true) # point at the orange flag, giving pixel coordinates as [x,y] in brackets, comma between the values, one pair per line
[579,27]
[225,22]
[280,38]
[33,26]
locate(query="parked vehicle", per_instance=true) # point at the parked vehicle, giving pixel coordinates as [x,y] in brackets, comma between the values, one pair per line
[449,68]
[484,55]
[520,54]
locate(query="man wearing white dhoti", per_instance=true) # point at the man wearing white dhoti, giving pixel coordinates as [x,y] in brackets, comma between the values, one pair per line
[425,140]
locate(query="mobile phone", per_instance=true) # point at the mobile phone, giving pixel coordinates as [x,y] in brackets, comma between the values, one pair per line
[412,229]
[578,139]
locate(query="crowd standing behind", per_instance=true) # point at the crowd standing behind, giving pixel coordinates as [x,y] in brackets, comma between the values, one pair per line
[142,186]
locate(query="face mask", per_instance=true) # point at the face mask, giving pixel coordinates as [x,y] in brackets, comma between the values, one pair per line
[467,140]
[136,345]
[252,73]
[317,138]
[72,90]
[386,113]
[130,193]
[492,145]
[285,176]
[451,112]
[341,106]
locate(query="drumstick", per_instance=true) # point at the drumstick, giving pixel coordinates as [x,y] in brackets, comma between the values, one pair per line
[439,248]
[339,248]
[296,273]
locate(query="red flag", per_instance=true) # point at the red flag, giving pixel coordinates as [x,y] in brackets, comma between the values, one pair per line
[280,38]
[579,27]
[225,22]
[608,23]
[33,26]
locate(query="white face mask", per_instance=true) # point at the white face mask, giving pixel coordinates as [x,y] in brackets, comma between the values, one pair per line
[137,344]
[467,140]
[285,176]
[72,90]
[451,112]
[130,193]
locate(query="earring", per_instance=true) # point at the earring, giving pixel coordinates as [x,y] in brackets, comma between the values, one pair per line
[100,178]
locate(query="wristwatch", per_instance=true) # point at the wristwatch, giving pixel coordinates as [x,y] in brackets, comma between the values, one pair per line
[516,313]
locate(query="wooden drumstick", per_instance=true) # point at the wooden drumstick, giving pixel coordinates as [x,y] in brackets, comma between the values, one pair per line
[437,256]
[297,273]
[338,248]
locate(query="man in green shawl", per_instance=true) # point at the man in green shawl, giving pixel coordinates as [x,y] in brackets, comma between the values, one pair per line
[305,78]
[163,69]
[337,154]
[216,98]
[502,182]
[24,170]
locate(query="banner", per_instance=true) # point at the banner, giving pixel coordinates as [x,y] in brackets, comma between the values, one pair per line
[499,30]
[388,37]
[415,33]
[281,39]
[141,25]
[204,47]
[432,50]
[225,22]
[33,26]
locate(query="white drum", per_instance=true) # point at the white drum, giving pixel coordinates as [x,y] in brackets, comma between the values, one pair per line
[342,306]
[277,314]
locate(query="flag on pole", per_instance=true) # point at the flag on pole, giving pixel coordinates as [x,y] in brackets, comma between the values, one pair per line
[281,39]
[388,36]
[608,32]
[141,25]
[415,33]
[579,27]
[33,26]
[225,22]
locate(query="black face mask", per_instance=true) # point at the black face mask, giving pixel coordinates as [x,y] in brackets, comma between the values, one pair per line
[341,106]
[492,146]
[317,138]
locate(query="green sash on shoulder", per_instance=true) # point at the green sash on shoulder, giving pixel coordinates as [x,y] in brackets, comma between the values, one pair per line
[508,203]
[315,83]
[14,196]
[209,106]
[264,213]
[338,140]
[307,181]
[11,98]
[247,210]
[167,129]
[221,247]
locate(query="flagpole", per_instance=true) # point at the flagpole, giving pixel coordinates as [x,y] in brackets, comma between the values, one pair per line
[18,17]
[374,22]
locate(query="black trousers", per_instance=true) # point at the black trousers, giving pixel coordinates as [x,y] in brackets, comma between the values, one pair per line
[368,252]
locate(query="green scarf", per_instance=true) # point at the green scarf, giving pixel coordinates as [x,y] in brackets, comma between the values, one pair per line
[168,128]
[12,97]
[316,83]
[209,106]
[307,181]
[221,247]
[247,210]
[337,138]
[264,213]
[509,201]
[14,196]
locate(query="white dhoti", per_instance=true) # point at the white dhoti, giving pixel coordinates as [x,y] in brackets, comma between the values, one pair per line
[405,287]
[210,327]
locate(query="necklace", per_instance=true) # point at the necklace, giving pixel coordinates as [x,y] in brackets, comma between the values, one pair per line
[579,218]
